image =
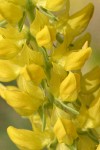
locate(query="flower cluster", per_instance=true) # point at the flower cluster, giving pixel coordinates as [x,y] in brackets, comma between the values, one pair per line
[42,51]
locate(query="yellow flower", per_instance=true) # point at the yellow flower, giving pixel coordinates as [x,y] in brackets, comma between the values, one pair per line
[58,74]
[38,23]
[12,33]
[69,87]
[21,101]
[8,71]
[91,81]
[33,72]
[6,9]
[8,49]
[74,60]
[94,112]
[79,42]
[29,140]
[28,86]
[41,28]
[11,42]
[65,131]
[28,56]
[80,20]
[43,37]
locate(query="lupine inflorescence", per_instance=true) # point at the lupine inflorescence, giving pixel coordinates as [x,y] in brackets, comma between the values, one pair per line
[43,51]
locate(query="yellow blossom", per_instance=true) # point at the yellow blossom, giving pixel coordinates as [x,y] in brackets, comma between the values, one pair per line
[69,88]
[38,23]
[28,56]
[80,20]
[12,33]
[79,42]
[29,86]
[6,9]
[94,111]
[41,50]
[65,131]
[57,76]
[8,49]
[74,60]
[91,80]
[21,101]
[8,71]
[43,37]
[33,72]
[30,140]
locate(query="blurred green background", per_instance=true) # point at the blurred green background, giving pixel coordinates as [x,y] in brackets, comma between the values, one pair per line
[9,117]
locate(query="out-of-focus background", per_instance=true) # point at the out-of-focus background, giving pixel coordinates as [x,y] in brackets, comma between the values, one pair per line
[9,117]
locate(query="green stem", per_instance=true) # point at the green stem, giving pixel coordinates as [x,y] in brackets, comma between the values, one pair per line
[21,22]
[48,64]
[30,9]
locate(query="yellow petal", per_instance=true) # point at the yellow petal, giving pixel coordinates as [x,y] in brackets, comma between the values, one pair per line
[21,101]
[79,42]
[68,88]
[33,72]
[28,56]
[29,87]
[8,71]
[39,22]
[12,33]
[8,49]
[18,2]
[65,131]
[98,148]
[1,18]
[9,10]
[74,60]
[57,76]
[62,146]
[91,81]
[43,37]
[55,5]
[80,20]
[94,111]
[28,140]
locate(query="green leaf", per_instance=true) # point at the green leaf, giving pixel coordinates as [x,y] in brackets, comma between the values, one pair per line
[92,136]
[47,13]
[3,23]
[66,107]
